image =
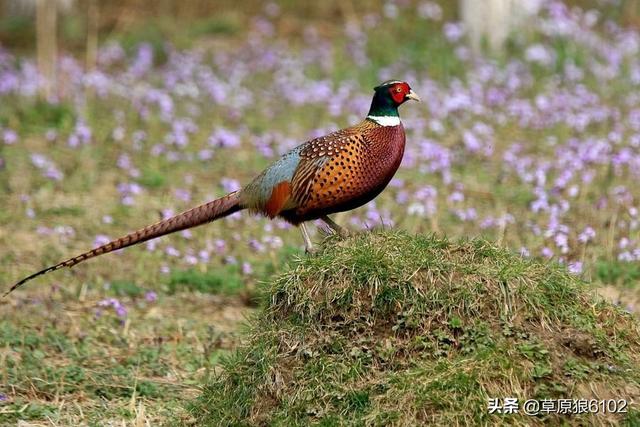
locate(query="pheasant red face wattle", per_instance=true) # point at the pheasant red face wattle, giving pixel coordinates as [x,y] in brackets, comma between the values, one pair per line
[399,92]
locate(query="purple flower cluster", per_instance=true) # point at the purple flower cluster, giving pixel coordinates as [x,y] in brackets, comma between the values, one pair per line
[47,167]
[118,307]
[540,149]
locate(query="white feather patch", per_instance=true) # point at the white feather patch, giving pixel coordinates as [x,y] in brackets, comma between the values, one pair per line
[385,120]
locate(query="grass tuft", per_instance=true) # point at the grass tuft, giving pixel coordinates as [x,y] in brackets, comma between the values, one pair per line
[385,328]
[228,281]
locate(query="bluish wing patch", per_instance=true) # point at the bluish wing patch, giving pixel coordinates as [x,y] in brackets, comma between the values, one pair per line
[258,192]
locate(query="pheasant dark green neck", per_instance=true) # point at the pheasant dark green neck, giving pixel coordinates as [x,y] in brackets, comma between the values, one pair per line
[382,104]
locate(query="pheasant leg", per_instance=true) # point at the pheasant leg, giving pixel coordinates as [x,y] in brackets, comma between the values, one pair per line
[308,246]
[341,231]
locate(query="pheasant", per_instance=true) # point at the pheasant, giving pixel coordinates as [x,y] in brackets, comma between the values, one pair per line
[334,173]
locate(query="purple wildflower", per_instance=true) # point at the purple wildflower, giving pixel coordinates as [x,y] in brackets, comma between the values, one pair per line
[119,308]
[100,240]
[204,256]
[230,184]
[222,137]
[246,268]
[48,168]
[540,54]
[182,194]
[575,267]
[587,235]
[190,259]
[171,251]
[453,31]
[10,137]
[430,10]
[220,246]
[256,245]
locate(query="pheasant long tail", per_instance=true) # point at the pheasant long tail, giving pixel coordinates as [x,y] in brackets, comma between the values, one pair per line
[199,215]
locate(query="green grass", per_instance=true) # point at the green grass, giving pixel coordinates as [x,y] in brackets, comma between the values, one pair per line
[226,281]
[386,328]
[348,316]
[76,368]
[619,273]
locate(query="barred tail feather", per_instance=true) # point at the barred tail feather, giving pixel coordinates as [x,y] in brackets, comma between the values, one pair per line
[199,215]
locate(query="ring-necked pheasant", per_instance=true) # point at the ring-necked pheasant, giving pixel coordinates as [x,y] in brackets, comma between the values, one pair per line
[334,173]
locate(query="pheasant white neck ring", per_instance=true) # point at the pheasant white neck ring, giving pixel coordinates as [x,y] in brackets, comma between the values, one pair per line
[385,120]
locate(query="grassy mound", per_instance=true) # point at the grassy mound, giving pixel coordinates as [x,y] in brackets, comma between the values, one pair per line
[390,329]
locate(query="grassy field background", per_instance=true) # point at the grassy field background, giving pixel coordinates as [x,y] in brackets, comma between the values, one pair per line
[536,148]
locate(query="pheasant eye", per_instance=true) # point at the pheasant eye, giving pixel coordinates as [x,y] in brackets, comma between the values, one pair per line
[398,89]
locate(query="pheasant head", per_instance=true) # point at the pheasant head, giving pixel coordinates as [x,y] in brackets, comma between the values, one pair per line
[386,100]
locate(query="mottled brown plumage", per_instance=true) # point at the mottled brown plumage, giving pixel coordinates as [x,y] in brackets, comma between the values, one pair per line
[356,166]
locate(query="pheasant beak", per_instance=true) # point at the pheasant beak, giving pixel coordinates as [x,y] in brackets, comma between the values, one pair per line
[412,95]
